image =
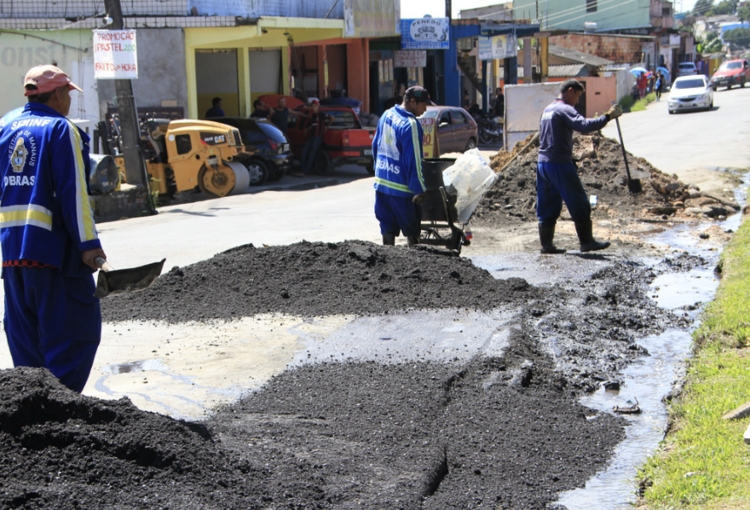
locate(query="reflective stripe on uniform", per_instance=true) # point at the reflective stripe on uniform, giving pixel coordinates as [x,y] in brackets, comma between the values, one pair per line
[393,185]
[22,215]
[84,214]
[417,153]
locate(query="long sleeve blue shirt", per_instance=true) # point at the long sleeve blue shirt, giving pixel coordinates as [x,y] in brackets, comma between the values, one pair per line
[397,153]
[45,213]
[556,127]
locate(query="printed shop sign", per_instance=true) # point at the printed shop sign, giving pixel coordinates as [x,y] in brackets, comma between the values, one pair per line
[497,47]
[115,55]
[410,58]
[424,34]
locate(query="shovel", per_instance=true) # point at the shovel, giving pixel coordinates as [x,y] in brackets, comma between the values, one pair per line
[634,185]
[112,281]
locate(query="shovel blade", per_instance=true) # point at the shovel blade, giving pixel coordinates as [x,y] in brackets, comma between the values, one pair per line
[634,185]
[127,280]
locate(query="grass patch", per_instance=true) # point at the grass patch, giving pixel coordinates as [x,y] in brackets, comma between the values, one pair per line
[641,104]
[703,462]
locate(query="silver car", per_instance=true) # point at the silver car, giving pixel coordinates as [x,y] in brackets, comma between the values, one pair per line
[690,93]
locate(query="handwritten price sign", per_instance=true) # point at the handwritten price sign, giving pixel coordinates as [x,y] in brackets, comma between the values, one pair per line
[428,141]
[115,55]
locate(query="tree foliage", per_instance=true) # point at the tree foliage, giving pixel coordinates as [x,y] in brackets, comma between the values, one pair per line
[744,13]
[723,7]
[711,43]
[738,37]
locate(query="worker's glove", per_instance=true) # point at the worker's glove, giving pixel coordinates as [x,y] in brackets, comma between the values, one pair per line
[417,199]
[614,112]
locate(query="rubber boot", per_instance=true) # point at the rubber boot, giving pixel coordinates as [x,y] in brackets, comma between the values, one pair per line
[389,240]
[546,235]
[586,237]
[412,241]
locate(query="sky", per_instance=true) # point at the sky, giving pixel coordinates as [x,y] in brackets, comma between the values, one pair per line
[436,8]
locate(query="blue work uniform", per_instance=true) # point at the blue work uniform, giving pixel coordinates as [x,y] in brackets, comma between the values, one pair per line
[397,155]
[556,175]
[52,318]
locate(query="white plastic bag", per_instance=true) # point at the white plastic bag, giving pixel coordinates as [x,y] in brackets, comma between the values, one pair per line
[468,178]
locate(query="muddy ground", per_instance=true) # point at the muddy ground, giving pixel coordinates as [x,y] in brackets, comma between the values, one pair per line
[495,432]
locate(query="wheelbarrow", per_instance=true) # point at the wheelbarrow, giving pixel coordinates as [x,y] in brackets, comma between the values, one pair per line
[439,225]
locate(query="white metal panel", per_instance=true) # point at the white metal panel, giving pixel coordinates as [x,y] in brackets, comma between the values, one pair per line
[524,105]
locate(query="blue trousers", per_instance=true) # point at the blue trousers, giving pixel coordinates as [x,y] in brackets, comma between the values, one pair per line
[310,153]
[52,321]
[558,182]
[397,214]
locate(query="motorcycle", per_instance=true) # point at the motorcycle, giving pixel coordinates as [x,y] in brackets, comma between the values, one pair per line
[490,128]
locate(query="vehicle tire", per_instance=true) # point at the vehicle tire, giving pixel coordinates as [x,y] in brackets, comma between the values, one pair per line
[470,144]
[484,136]
[323,164]
[258,171]
[370,168]
[742,83]
[671,112]
[729,86]
[274,172]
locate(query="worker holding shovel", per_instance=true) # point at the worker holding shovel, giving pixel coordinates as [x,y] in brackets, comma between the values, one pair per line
[48,236]
[557,175]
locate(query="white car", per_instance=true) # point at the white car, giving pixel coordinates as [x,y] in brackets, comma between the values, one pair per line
[690,93]
[686,69]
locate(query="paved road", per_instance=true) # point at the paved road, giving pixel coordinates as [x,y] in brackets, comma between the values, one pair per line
[688,143]
[187,233]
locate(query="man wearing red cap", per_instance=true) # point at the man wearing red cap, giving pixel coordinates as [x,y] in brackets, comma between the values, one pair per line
[47,233]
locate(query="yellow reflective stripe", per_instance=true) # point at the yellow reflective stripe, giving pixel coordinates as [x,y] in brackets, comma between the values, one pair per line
[22,215]
[392,185]
[84,214]
[417,153]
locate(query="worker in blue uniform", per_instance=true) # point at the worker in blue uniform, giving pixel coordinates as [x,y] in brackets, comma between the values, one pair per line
[47,233]
[557,178]
[397,155]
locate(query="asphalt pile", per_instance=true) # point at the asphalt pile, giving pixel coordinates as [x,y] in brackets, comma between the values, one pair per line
[313,279]
[601,167]
[493,432]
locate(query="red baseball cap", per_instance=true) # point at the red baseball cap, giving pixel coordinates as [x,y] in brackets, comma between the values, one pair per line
[46,78]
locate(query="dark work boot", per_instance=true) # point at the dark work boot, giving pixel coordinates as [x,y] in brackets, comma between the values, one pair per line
[586,237]
[389,240]
[412,241]
[546,235]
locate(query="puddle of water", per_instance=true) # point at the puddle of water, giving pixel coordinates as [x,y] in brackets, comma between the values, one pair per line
[444,335]
[651,379]
[646,382]
[540,269]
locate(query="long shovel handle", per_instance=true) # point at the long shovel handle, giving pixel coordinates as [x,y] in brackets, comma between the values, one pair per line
[624,154]
[103,264]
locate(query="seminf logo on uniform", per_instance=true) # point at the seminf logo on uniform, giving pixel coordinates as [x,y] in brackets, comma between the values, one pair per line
[20,153]
[18,160]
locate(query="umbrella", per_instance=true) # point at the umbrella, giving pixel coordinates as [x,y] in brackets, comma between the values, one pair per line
[638,70]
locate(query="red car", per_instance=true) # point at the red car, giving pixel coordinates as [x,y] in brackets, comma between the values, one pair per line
[730,73]
[345,140]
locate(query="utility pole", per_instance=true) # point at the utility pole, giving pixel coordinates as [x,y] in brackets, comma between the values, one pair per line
[135,170]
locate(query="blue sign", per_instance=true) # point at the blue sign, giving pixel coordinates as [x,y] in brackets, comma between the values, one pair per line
[425,34]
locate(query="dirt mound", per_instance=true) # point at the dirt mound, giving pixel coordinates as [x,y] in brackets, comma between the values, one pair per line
[313,279]
[602,170]
[64,450]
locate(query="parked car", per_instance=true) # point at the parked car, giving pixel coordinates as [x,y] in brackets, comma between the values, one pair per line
[730,73]
[686,69]
[271,151]
[456,129]
[690,93]
[345,140]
